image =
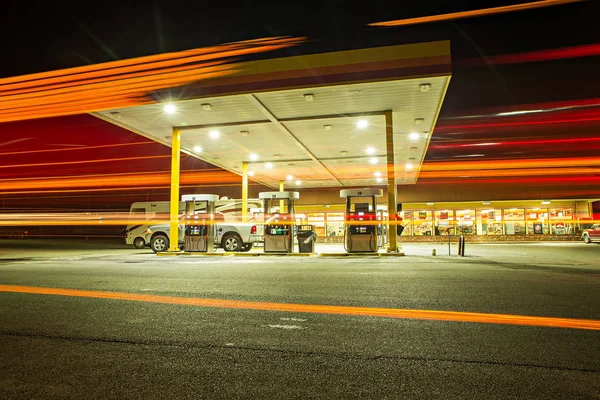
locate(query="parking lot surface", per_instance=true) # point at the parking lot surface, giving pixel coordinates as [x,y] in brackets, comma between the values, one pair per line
[190,327]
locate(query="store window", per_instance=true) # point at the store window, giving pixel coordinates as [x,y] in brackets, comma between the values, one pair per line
[491,222]
[537,221]
[514,221]
[407,222]
[465,222]
[444,222]
[561,221]
[335,224]
[423,223]
[318,221]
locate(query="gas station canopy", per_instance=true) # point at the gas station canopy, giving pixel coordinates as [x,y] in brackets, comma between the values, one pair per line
[317,120]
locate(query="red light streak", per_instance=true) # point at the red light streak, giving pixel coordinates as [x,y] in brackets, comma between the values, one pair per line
[519,142]
[442,127]
[587,50]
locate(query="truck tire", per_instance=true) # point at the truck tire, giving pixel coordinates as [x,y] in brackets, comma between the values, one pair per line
[246,247]
[159,243]
[231,242]
[139,243]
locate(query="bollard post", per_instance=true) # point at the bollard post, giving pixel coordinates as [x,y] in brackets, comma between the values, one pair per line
[433,252]
[461,246]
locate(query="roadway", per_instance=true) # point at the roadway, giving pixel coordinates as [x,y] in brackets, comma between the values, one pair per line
[62,346]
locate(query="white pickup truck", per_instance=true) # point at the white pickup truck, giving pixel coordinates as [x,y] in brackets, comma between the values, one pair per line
[231,236]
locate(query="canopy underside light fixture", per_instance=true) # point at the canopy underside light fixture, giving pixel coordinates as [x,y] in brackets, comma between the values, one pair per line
[170,108]
[362,123]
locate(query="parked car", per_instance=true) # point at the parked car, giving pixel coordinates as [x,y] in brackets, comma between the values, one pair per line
[592,234]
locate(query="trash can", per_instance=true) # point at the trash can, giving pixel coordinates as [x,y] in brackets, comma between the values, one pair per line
[306,238]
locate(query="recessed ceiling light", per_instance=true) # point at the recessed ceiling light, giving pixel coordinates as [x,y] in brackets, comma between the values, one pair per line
[250,173]
[430,204]
[268,165]
[355,91]
[289,178]
[244,133]
[546,202]
[197,149]
[370,150]
[414,148]
[362,123]
[373,160]
[327,127]
[419,121]
[486,203]
[206,106]
[411,159]
[377,174]
[214,134]
[309,97]
[409,166]
[425,87]
[379,180]
[298,183]
[414,136]
[170,108]
[253,157]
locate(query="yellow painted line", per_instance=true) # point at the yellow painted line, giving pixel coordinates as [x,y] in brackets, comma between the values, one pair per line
[455,316]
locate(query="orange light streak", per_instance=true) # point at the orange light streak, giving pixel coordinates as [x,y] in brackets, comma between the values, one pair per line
[112,66]
[84,161]
[102,101]
[101,146]
[474,13]
[122,83]
[432,315]
[125,79]
[105,189]
[112,88]
[120,180]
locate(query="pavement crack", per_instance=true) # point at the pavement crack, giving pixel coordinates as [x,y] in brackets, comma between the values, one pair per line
[289,352]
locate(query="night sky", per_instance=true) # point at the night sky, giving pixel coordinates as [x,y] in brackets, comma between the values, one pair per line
[41,35]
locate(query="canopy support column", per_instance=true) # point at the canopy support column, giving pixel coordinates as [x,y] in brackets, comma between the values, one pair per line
[244,191]
[174,201]
[391,183]
[281,202]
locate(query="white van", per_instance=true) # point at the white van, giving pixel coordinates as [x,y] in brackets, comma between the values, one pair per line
[231,209]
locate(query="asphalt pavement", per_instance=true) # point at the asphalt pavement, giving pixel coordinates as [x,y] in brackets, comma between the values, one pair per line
[62,346]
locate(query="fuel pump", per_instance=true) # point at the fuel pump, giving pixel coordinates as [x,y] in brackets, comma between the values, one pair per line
[279,223]
[361,224]
[199,219]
